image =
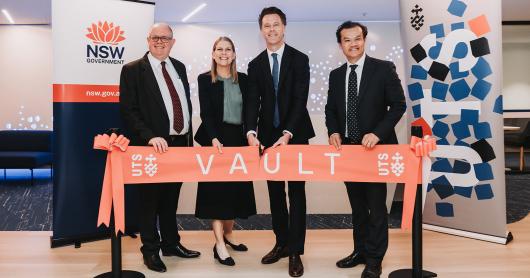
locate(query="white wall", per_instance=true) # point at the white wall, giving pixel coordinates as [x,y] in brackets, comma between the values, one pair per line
[25,77]
[516,67]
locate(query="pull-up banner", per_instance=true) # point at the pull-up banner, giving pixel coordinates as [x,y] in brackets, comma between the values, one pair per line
[454,78]
[135,164]
[92,40]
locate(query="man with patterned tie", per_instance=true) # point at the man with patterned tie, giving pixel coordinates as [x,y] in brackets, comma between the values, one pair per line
[365,102]
[156,110]
[276,114]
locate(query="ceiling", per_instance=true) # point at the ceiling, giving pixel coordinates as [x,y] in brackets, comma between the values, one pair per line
[172,11]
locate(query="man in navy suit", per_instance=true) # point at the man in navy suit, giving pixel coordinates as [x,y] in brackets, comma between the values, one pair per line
[365,102]
[276,114]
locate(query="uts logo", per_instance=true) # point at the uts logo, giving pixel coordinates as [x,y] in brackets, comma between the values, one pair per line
[105,39]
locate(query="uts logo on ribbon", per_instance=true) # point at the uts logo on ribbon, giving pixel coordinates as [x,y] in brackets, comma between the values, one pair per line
[105,38]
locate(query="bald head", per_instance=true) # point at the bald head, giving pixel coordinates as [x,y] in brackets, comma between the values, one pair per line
[161,26]
[160,40]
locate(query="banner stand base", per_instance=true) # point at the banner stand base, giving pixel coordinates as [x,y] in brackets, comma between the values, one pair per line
[124,274]
[409,273]
[495,239]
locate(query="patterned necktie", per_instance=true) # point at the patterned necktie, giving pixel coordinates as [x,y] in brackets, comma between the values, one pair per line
[178,118]
[275,80]
[352,117]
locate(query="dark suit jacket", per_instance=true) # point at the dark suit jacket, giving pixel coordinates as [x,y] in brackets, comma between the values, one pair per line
[381,100]
[211,99]
[293,88]
[141,105]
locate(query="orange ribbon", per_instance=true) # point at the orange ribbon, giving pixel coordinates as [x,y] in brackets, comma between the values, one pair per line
[423,146]
[113,190]
[139,164]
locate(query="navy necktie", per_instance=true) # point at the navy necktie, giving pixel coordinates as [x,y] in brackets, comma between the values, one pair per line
[352,115]
[275,80]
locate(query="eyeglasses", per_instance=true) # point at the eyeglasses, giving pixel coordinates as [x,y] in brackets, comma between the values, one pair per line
[161,39]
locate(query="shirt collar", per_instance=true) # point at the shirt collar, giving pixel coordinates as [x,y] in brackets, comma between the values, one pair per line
[279,51]
[359,63]
[155,63]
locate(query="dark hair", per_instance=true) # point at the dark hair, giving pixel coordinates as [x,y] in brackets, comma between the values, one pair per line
[272,10]
[350,24]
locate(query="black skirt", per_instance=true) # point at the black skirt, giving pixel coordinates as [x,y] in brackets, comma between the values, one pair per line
[226,200]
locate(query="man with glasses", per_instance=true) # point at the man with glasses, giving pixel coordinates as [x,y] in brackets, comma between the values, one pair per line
[156,110]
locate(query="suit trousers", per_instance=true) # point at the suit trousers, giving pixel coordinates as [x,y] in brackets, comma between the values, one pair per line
[158,204]
[289,226]
[369,218]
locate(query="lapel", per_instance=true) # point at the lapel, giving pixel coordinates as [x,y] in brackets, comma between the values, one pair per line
[150,84]
[183,78]
[284,67]
[341,91]
[266,70]
[368,70]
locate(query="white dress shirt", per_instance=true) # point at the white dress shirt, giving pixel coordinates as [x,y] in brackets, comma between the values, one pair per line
[271,64]
[156,65]
[359,72]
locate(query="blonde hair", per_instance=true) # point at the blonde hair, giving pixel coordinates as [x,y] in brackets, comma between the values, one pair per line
[233,69]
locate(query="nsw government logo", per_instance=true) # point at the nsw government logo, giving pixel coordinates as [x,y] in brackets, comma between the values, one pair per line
[104,48]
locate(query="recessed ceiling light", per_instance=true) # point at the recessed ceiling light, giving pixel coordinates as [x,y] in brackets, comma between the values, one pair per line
[196,10]
[8,16]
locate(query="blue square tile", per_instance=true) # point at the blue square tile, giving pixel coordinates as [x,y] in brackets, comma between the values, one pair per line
[417,72]
[481,89]
[460,130]
[455,73]
[463,191]
[459,89]
[442,165]
[439,90]
[441,180]
[481,69]
[484,192]
[483,171]
[438,29]
[469,116]
[497,107]
[482,130]
[461,50]
[415,91]
[440,129]
[457,25]
[461,167]
[444,209]
[457,8]
[416,111]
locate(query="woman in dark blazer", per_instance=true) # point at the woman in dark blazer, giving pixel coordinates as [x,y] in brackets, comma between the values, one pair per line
[222,100]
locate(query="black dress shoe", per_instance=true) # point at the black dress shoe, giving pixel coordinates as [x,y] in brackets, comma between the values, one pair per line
[180,251]
[240,247]
[275,254]
[372,271]
[154,263]
[296,268]
[352,260]
[228,261]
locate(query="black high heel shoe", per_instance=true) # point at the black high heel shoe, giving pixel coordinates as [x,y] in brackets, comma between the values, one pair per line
[228,261]
[241,247]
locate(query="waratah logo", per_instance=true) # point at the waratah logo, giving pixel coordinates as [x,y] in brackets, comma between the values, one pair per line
[104,48]
[105,33]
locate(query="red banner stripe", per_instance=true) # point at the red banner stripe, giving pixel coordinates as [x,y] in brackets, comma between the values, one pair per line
[85,93]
